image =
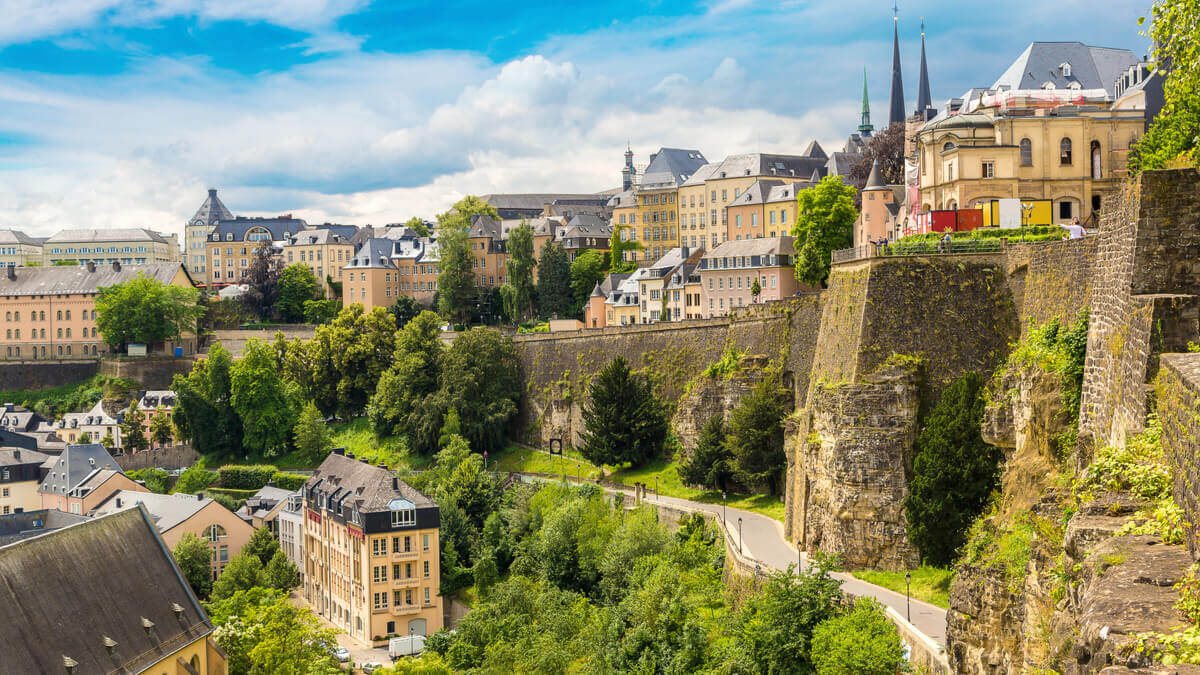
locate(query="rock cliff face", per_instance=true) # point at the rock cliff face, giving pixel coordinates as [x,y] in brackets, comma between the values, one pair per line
[709,396]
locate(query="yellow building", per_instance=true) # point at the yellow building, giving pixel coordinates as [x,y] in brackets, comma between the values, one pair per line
[324,250]
[657,198]
[18,249]
[371,546]
[128,246]
[124,607]
[624,207]
[50,312]
[232,245]
[196,234]
[20,475]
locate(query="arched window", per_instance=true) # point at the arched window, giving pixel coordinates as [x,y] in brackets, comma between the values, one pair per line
[948,146]
[1064,150]
[216,532]
[1026,152]
[1096,168]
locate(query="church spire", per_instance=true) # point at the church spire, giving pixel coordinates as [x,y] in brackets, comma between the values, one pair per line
[924,102]
[896,109]
[864,126]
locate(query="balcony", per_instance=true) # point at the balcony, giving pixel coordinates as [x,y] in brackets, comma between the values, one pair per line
[406,555]
[411,582]
[403,610]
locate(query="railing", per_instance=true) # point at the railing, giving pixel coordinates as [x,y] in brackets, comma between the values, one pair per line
[903,247]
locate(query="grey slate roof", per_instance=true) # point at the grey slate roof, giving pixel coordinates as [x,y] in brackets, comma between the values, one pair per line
[166,511]
[74,465]
[374,253]
[757,193]
[67,590]
[814,149]
[212,210]
[538,201]
[19,456]
[485,226]
[276,226]
[371,486]
[702,174]
[1091,67]
[10,236]
[624,199]
[334,234]
[17,526]
[875,179]
[73,279]
[108,234]
[751,247]
[19,418]
[840,163]
[767,165]
[671,167]
[786,192]
[12,439]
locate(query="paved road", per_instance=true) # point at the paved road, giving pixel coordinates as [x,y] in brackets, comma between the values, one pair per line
[763,540]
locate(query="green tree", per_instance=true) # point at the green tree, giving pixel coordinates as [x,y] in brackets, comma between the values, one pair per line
[162,431]
[485,572]
[755,438]
[321,311]
[203,409]
[339,368]
[108,442]
[417,224]
[554,295]
[404,309]
[262,545]
[311,436]
[1174,135]
[518,290]
[193,558]
[263,280]
[145,310]
[193,479]
[618,245]
[954,472]
[776,626]
[755,289]
[825,218]
[281,573]
[264,401]
[710,465]
[133,433]
[480,378]
[623,419]
[297,285]
[860,642]
[85,438]
[403,401]
[155,480]
[456,260]
[263,633]
[587,271]
[243,572]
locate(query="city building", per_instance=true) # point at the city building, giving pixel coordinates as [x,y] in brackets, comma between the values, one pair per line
[290,525]
[624,207]
[128,246]
[21,525]
[196,234]
[20,475]
[233,244]
[765,209]
[727,274]
[583,233]
[658,198]
[488,246]
[15,417]
[324,250]
[880,213]
[533,205]
[652,284]
[81,478]
[153,403]
[178,514]
[694,230]
[93,426]
[50,312]
[371,551]
[18,249]
[678,301]
[598,313]
[385,268]
[262,509]
[102,596]
[1140,87]
[619,298]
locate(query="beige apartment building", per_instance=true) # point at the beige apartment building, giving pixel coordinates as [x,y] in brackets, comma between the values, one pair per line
[50,312]
[371,551]
[232,245]
[127,246]
[196,234]
[324,250]
[728,272]
[384,269]
[18,249]
[488,245]
[658,199]
[765,209]
[20,474]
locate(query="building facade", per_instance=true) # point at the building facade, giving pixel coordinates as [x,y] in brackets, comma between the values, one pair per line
[20,475]
[880,213]
[371,551]
[765,209]
[324,250]
[81,478]
[196,234]
[728,272]
[127,246]
[18,249]
[290,526]
[233,244]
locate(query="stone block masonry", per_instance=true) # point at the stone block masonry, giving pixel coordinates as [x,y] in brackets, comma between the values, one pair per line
[35,375]
[1177,390]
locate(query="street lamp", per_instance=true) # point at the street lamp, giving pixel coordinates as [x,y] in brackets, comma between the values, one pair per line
[656,487]
[907,604]
[739,534]
[724,518]
[485,460]
[411,646]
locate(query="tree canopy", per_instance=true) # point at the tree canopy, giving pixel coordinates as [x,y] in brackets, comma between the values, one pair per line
[824,223]
[203,410]
[755,438]
[296,286]
[518,291]
[624,421]
[417,224]
[1174,136]
[587,271]
[145,310]
[266,402]
[554,295]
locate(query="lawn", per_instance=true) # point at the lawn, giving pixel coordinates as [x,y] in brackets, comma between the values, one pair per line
[356,436]
[516,458]
[931,584]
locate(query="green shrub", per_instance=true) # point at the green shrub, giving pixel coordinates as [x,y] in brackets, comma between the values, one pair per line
[225,500]
[155,480]
[954,472]
[193,479]
[288,481]
[860,642]
[728,365]
[1139,467]
[250,477]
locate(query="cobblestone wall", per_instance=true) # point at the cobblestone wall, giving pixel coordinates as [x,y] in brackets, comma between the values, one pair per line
[1177,390]
[34,375]
[1051,280]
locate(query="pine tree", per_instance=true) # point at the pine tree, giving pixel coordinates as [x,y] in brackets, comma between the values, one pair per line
[711,465]
[755,437]
[954,472]
[623,419]
[518,292]
[554,282]
[312,437]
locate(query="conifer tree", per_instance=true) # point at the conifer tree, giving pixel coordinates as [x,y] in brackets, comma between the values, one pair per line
[755,437]
[623,419]
[710,464]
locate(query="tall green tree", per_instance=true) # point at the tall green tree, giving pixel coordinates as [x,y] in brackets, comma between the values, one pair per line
[518,290]
[264,401]
[262,545]
[133,433]
[404,309]
[339,368]
[954,473]
[297,285]
[825,216]
[402,403]
[587,271]
[281,573]
[311,436]
[146,311]
[755,437]
[554,295]
[162,431]
[193,558]
[1174,136]
[243,573]
[261,632]
[263,280]
[710,465]
[318,312]
[204,411]
[417,224]
[622,242]
[480,378]
[456,261]
[624,421]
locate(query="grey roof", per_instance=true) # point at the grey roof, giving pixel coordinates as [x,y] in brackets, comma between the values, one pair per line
[529,201]
[767,165]
[18,456]
[671,167]
[166,511]
[670,259]
[60,280]
[485,226]
[971,120]
[67,590]
[1091,67]
[212,210]
[624,199]
[875,179]
[113,234]
[260,503]
[750,247]
[814,149]
[610,283]
[374,253]
[786,192]
[702,174]
[19,418]
[757,193]
[587,225]
[545,226]
[840,163]
[372,486]
[10,236]
[17,526]
[276,226]
[334,234]
[74,466]
[12,439]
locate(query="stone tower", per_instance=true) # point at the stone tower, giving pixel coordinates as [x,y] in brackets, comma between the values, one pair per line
[629,171]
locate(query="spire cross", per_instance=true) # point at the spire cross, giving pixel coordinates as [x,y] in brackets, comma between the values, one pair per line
[922,26]
[895,11]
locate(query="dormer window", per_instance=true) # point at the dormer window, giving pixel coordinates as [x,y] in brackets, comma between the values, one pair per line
[228,236]
[1075,86]
[1048,85]
[1065,69]
[404,513]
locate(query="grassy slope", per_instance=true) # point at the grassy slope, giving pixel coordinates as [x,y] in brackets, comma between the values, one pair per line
[931,584]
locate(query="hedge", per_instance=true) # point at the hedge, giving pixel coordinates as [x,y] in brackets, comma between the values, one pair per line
[288,481]
[245,477]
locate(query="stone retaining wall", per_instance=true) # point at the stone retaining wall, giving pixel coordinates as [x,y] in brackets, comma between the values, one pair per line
[151,372]
[170,458]
[1177,390]
[35,375]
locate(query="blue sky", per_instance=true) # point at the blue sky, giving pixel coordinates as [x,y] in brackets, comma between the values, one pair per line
[121,112]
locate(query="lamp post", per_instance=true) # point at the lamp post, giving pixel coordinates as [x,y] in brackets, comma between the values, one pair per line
[724,518]
[656,488]
[739,534]
[907,604]
[411,646]
[485,460]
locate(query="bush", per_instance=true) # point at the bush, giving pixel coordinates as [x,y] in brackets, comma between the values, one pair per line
[860,642]
[288,481]
[155,480]
[250,477]
[954,472]
[193,479]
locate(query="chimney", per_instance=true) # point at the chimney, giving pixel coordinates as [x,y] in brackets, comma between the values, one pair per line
[199,495]
[339,451]
[12,272]
[395,483]
[17,454]
[116,265]
[91,266]
[118,502]
[212,193]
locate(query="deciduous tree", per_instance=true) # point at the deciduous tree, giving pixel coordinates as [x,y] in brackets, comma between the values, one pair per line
[203,411]
[517,291]
[417,224]
[404,309]
[145,311]
[887,147]
[480,379]
[262,545]
[402,402]
[243,573]
[264,401]
[339,368]
[193,558]
[1174,136]
[162,431]
[312,438]
[133,434]
[263,279]
[456,261]
[296,286]
[587,271]
[776,626]
[281,573]
[825,222]
[624,421]
[862,641]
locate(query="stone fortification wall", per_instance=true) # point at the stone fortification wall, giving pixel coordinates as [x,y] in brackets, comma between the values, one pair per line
[151,372]
[1177,390]
[1051,279]
[35,375]
[1146,281]
[170,458]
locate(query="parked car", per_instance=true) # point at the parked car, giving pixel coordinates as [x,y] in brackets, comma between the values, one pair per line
[371,666]
[341,654]
[408,645]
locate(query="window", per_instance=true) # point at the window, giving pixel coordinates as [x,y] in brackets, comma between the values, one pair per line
[381,600]
[379,573]
[1064,151]
[988,170]
[1064,209]
[216,532]
[427,595]
[1026,152]
[947,146]
[426,568]
[379,546]
[1096,159]
[425,544]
